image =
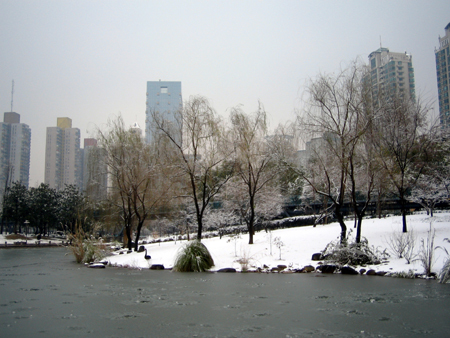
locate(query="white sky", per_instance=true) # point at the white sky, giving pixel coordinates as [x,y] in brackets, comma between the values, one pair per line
[90,60]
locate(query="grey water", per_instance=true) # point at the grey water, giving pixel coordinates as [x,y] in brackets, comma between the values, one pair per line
[44,293]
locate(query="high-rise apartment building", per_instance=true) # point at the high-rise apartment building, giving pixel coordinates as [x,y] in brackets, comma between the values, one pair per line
[443,77]
[15,145]
[95,176]
[63,160]
[163,97]
[391,74]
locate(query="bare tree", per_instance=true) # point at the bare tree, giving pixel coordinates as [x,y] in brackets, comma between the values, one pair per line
[256,165]
[401,140]
[336,118]
[433,186]
[262,208]
[137,176]
[200,153]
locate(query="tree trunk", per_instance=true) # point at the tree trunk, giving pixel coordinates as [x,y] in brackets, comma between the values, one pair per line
[251,223]
[403,208]
[358,229]
[138,234]
[128,234]
[199,228]
[250,232]
[341,222]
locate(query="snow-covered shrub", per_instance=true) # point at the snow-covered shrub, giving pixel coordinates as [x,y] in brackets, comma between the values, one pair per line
[193,257]
[402,245]
[352,254]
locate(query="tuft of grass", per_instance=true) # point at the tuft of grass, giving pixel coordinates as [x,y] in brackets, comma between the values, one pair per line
[244,260]
[86,249]
[445,272]
[193,257]
[404,274]
[426,254]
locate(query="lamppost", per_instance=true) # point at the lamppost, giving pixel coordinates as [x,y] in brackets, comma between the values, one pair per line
[26,230]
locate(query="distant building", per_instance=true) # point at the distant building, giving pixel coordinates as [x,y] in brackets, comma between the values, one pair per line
[315,147]
[163,97]
[95,176]
[15,142]
[63,157]
[443,77]
[136,129]
[391,74]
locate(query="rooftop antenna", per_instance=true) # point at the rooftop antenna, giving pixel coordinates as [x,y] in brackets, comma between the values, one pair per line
[381,46]
[12,96]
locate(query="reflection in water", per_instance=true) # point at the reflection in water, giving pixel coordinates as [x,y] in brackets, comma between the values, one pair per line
[44,292]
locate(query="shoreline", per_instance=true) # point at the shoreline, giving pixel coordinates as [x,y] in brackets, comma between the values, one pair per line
[26,246]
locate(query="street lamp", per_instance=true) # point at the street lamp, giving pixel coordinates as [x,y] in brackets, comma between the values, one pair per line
[26,230]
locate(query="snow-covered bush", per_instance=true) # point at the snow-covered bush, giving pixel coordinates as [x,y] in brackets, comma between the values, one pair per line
[352,254]
[193,257]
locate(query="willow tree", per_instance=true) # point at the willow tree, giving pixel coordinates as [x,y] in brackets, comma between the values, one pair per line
[402,140]
[336,119]
[139,183]
[255,160]
[198,151]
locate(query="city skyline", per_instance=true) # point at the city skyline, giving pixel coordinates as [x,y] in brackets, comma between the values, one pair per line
[91,60]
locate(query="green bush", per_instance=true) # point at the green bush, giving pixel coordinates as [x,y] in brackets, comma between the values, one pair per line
[193,257]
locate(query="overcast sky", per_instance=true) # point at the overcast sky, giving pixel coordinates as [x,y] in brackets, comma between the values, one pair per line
[90,60]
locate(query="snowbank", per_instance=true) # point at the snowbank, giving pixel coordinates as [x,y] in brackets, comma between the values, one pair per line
[298,245]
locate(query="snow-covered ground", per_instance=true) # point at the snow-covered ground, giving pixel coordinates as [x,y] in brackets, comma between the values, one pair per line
[300,243]
[31,240]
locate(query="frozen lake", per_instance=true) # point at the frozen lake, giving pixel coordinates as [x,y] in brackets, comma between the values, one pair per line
[45,293]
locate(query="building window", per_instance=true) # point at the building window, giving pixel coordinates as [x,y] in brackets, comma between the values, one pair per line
[164,90]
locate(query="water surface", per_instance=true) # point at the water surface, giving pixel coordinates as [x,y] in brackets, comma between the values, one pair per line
[45,293]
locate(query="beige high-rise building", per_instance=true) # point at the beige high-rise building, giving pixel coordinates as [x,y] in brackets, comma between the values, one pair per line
[63,158]
[391,74]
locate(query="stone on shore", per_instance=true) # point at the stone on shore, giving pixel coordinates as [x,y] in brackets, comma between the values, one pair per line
[227,270]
